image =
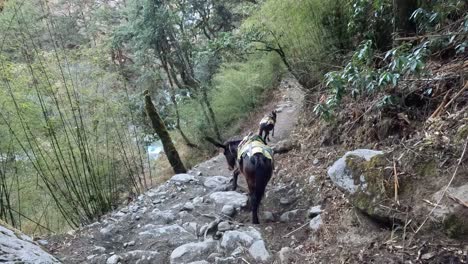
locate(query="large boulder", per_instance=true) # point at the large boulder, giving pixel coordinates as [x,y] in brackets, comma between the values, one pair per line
[162,217]
[259,252]
[219,183]
[451,212]
[342,174]
[232,239]
[183,178]
[363,175]
[284,146]
[235,199]
[195,251]
[16,247]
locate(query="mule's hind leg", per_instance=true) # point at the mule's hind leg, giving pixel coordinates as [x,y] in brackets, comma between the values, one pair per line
[254,202]
[235,174]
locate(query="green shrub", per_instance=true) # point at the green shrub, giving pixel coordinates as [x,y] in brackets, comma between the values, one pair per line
[303,29]
[237,89]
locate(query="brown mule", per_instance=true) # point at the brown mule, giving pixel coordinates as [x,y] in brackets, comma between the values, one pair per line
[256,166]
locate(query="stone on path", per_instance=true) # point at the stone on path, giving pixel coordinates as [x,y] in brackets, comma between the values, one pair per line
[183,178]
[193,251]
[235,199]
[259,252]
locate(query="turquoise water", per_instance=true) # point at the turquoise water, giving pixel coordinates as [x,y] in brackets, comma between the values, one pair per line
[155,149]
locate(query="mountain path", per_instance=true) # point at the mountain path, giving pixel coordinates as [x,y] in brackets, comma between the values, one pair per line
[194,218]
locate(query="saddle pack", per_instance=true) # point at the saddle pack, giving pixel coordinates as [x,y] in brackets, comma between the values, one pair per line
[253,144]
[267,120]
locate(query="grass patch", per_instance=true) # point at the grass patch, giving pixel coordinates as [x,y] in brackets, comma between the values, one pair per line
[238,88]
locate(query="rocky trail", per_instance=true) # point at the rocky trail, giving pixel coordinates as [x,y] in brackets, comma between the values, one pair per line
[324,204]
[194,218]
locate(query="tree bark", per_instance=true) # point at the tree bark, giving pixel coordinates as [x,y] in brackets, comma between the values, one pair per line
[402,13]
[160,129]
[211,112]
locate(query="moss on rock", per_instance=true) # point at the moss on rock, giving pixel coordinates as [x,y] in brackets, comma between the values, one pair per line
[456,225]
[462,133]
[426,168]
[375,186]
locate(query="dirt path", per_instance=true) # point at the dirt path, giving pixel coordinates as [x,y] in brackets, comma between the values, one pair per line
[193,217]
[287,102]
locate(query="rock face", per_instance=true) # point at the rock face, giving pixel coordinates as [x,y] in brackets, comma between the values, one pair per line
[19,248]
[453,215]
[342,175]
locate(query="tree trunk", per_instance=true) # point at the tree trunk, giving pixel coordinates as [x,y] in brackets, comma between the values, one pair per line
[211,112]
[402,12]
[161,130]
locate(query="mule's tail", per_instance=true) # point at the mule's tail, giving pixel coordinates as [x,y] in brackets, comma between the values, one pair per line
[263,172]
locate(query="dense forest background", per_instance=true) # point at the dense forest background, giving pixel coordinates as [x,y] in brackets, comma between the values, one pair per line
[76,140]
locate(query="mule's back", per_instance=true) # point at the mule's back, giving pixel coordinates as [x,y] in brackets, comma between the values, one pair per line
[255,160]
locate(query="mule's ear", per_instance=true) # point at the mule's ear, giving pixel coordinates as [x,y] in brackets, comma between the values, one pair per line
[214,142]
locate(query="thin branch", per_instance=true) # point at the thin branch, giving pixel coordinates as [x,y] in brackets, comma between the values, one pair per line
[295,230]
[431,36]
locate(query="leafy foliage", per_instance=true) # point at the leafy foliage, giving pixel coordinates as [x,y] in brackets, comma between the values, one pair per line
[360,77]
[369,71]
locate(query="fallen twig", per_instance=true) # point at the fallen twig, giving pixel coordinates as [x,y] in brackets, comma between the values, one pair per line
[444,105]
[446,187]
[457,95]
[431,203]
[395,182]
[441,106]
[243,259]
[295,230]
